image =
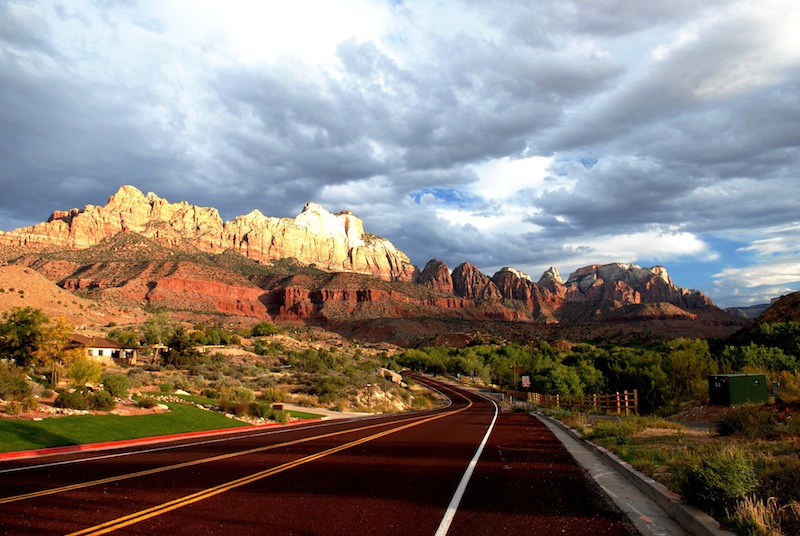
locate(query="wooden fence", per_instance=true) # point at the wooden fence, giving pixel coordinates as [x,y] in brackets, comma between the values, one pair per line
[626,402]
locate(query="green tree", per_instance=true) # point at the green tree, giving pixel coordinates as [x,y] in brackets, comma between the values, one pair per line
[53,349]
[21,334]
[688,363]
[182,352]
[783,335]
[157,331]
[757,357]
[264,328]
[84,370]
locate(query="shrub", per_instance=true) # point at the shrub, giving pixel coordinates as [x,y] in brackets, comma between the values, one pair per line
[14,383]
[101,401]
[29,403]
[237,395]
[260,410]
[748,421]
[166,387]
[71,400]
[83,371]
[272,394]
[209,393]
[264,328]
[779,478]
[722,477]
[280,416]
[14,408]
[116,384]
[147,403]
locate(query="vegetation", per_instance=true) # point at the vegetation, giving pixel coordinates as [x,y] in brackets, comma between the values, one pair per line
[741,474]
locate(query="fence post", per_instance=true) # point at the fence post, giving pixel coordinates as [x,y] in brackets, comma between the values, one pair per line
[619,410]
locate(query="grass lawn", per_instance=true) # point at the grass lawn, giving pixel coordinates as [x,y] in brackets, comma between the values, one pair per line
[79,429]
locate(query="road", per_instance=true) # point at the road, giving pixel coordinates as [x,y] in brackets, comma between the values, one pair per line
[466,469]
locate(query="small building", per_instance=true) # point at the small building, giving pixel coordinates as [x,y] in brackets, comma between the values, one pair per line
[104,350]
[736,389]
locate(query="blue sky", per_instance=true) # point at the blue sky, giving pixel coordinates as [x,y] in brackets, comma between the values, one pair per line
[506,133]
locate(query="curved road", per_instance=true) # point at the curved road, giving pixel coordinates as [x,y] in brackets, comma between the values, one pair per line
[464,469]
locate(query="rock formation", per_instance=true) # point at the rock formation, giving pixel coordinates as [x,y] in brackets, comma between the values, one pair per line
[630,284]
[436,275]
[142,250]
[470,283]
[333,242]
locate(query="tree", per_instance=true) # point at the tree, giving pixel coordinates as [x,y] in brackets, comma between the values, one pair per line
[52,350]
[182,352]
[84,370]
[21,334]
[688,364]
[157,330]
[264,328]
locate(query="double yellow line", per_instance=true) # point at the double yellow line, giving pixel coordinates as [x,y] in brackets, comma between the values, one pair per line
[137,517]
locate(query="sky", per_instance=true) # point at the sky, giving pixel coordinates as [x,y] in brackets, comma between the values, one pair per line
[505,133]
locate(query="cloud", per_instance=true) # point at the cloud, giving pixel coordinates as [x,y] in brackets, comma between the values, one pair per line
[774,271]
[503,133]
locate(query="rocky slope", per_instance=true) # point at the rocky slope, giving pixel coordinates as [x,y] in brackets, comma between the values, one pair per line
[333,242]
[141,252]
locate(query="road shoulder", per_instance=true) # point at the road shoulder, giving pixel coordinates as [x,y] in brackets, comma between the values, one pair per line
[650,506]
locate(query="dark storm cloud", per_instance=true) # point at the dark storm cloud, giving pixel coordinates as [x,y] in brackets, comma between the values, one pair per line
[660,118]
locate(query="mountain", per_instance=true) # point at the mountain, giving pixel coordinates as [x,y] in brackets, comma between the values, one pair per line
[140,253]
[334,242]
[750,312]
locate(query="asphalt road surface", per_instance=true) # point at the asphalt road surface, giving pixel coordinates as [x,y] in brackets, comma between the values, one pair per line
[466,469]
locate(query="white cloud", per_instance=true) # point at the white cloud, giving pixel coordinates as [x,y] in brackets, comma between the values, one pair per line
[503,178]
[775,269]
[658,245]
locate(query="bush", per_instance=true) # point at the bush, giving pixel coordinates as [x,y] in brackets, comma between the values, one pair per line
[14,383]
[147,403]
[719,480]
[14,408]
[260,410]
[209,393]
[779,478]
[101,401]
[83,371]
[749,421]
[71,400]
[166,387]
[116,384]
[263,329]
[237,395]
[272,394]
[280,416]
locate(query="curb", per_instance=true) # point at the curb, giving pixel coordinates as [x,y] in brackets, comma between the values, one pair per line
[689,517]
[108,445]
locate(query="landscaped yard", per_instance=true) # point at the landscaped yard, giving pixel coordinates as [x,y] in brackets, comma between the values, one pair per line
[19,434]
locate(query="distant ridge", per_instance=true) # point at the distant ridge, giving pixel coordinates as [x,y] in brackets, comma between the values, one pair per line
[324,269]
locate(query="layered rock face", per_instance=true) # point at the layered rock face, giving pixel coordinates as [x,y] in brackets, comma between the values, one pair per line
[630,284]
[436,275]
[333,242]
[470,283]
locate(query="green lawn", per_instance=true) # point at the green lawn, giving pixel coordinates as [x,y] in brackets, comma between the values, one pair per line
[79,429]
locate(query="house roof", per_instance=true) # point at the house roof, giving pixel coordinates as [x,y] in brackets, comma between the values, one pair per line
[94,342]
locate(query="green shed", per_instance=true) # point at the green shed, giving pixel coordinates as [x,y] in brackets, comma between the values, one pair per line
[735,389]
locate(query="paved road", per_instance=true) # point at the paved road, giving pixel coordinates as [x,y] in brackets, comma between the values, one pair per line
[402,474]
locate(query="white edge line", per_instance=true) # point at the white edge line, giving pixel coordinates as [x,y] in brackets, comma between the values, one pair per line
[452,508]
